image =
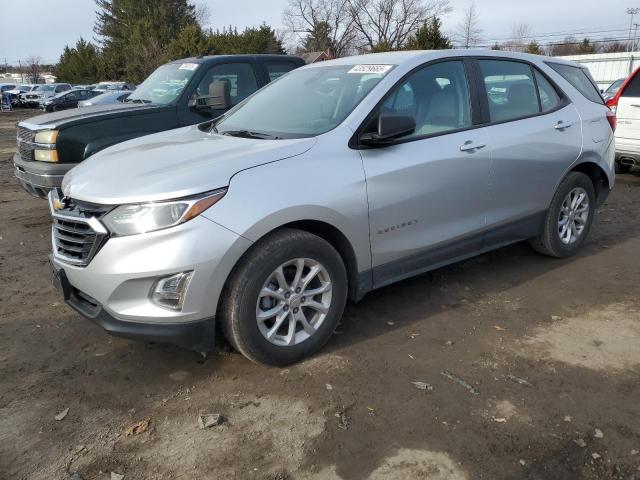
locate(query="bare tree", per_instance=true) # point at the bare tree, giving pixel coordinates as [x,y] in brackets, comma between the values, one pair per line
[568,46]
[33,68]
[469,32]
[302,17]
[202,14]
[388,24]
[521,36]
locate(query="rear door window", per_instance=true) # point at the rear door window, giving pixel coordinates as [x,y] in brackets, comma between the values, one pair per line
[276,69]
[510,88]
[580,79]
[549,98]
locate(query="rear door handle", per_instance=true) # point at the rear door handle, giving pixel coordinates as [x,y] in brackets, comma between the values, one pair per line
[562,125]
[469,146]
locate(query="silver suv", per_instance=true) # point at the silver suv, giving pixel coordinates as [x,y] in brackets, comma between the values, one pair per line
[336,179]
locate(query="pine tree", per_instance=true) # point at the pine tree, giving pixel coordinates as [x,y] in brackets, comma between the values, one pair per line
[534,48]
[429,37]
[136,33]
[319,38]
[78,64]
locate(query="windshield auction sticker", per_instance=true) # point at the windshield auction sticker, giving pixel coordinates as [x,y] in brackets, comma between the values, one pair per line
[381,69]
[188,66]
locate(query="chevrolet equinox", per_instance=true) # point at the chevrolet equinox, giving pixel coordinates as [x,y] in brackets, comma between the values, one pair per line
[338,178]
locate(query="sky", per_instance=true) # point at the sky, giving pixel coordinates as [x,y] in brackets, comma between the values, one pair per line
[46,30]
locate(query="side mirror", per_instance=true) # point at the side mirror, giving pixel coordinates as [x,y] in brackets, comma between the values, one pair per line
[390,127]
[219,97]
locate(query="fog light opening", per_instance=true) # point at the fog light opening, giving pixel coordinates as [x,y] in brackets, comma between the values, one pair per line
[169,292]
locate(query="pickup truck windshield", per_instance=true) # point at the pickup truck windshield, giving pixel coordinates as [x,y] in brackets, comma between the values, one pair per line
[45,88]
[165,84]
[303,103]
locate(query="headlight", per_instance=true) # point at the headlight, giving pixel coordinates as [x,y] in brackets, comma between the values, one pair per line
[47,136]
[45,155]
[148,217]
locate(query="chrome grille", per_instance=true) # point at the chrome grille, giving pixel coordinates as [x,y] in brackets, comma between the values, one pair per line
[26,138]
[77,234]
[32,97]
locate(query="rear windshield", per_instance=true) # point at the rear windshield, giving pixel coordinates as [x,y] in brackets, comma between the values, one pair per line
[633,87]
[580,79]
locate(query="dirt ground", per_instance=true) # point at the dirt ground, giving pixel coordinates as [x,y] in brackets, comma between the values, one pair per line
[550,351]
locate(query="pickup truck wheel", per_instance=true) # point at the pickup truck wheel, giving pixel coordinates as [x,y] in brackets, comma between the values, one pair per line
[285,298]
[569,217]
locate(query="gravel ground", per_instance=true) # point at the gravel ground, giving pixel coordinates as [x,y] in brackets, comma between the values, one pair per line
[546,351]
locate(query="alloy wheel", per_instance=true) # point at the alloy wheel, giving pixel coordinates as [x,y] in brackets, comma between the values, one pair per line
[573,216]
[294,302]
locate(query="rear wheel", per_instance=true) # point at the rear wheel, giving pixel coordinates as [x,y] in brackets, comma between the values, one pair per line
[285,298]
[569,217]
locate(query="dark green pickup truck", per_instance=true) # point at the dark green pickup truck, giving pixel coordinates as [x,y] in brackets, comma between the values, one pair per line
[177,94]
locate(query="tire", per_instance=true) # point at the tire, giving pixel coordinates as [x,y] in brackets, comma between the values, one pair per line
[550,242]
[621,169]
[256,273]
[57,108]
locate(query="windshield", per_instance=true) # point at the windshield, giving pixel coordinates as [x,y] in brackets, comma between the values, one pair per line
[305,102]
[45,88]
[615,86]
[165,84]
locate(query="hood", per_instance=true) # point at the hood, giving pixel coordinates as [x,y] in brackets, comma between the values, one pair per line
[69,117]
[172,164]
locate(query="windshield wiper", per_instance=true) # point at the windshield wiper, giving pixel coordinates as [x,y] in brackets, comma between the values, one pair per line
[249,134]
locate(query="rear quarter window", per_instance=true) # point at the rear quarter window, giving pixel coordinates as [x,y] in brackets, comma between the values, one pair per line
[580,79]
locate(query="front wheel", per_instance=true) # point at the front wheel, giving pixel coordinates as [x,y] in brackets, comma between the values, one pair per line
[569,217]
[285,298]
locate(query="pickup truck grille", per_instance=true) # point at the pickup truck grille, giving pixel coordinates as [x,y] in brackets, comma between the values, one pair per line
[77,234]
[26,138]
[32,97]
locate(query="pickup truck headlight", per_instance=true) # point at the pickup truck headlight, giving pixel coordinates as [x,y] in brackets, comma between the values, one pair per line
[148,217]
[46,137]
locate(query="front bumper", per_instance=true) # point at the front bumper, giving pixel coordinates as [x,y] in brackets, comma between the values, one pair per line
[197,335]
[38,178]
[114,289]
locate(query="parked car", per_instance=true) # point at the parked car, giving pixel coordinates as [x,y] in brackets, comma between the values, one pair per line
[67,99]
[626,104]
[338,178]
[611,91]
[39,94]
[107,86]
[178,93]
[107,98]
[23,101]
[16,92]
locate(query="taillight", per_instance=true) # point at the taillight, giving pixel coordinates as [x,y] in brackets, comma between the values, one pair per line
[613,104]
[613,121]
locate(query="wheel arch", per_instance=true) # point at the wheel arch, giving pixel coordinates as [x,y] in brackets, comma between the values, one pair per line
[598,177]
[358,283]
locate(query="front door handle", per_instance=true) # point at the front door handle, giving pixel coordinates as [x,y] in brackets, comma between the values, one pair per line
[469,146]
[562,125]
